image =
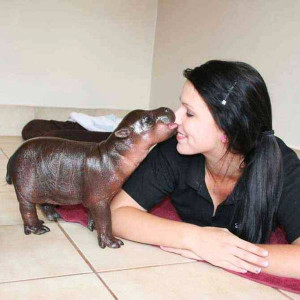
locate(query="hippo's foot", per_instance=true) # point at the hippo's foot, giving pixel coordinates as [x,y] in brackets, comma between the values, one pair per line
[91,224]
[39,229]
[50,212]
[111,242]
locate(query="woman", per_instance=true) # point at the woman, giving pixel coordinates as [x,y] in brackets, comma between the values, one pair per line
[230,179]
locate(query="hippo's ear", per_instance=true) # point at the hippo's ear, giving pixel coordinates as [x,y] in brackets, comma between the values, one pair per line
[123,132]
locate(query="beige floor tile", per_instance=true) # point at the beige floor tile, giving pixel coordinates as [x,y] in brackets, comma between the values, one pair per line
[130,255]
[85,287]
[291,295]
[185,281]
[4,186]
[3,160]
[37,256]
[9,150]
[9,144]
[3,165]
[9,209]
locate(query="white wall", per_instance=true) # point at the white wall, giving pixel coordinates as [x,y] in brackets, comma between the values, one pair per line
[77,53]
[263,33]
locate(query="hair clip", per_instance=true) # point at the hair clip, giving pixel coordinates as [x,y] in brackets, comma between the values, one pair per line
[224,101]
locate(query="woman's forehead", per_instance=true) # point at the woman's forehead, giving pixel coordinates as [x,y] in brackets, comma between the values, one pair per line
[190,97]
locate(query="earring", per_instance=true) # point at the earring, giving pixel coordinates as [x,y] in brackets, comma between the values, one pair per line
[223,139]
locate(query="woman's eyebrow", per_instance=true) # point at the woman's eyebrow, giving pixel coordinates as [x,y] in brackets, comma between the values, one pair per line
[185,104]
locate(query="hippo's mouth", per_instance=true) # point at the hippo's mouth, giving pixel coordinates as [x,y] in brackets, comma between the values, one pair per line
[172,126]
[168,120]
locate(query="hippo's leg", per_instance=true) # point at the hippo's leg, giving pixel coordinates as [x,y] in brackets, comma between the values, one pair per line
[102,217]
[91,223]
[50,212]
[31,222]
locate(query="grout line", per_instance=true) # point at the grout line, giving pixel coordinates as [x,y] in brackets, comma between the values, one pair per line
[4,153]
[48,277]
[86,260]
[283,293]
[145,267]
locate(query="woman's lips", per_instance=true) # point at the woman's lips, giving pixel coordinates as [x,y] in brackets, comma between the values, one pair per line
[180,136]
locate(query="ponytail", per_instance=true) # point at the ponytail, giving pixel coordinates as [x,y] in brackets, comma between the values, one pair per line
[258,191]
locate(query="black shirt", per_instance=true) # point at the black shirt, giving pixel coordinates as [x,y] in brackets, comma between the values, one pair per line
[166,172]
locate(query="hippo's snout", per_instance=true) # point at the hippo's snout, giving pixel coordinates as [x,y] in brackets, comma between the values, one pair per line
[164,119]
[165,115]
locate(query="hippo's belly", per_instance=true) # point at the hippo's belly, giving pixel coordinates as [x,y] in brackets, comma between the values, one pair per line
[60,178]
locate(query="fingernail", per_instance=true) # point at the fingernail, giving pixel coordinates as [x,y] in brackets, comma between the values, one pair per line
[265,252]
[257,270]
[265,263]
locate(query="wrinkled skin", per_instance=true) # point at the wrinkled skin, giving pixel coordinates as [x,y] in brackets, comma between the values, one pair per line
[54,171]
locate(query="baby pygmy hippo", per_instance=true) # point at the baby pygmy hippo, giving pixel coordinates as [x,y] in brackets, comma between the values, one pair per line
[55,171]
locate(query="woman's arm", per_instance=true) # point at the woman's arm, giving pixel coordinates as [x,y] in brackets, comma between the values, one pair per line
[132,222]
[284,260]
[215,245]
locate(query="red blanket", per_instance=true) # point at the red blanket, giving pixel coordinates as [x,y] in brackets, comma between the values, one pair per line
[78,214]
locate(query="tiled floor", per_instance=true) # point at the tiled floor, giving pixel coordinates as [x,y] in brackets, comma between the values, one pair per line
[67,263]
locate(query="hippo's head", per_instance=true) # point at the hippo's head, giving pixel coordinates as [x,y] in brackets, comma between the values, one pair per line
[148,127]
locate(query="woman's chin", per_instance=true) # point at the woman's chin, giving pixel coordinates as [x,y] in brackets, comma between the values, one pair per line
[184,149]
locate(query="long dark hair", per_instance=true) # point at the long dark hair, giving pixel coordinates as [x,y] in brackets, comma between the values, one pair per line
[238,99]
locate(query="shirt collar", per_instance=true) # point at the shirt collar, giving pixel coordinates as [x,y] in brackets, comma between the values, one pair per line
[195,177]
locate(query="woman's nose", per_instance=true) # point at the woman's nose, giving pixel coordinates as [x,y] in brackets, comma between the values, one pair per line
[178,116]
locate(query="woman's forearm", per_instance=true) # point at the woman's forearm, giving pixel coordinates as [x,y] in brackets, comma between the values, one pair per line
[215,245]
[284,260]
[137,225]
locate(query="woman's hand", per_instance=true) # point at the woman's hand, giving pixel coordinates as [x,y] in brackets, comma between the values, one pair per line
[223,249]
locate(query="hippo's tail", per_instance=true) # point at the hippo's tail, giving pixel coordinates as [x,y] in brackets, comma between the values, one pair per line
[8,178]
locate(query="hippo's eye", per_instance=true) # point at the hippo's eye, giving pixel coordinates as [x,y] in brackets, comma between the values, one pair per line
[147,120]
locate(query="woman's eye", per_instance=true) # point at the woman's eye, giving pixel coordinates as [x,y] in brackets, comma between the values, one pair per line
[188,114]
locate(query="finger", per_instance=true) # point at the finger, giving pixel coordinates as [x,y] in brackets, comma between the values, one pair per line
[249,257]
[182,252]
[231,267]
[252,248]
[246,266]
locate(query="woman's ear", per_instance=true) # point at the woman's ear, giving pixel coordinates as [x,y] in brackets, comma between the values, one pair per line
[223,138]
[123,132]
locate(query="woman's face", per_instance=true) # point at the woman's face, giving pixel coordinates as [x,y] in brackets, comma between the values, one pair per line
[197,130]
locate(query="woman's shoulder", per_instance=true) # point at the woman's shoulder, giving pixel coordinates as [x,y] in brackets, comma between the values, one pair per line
[289,156]
[290,168]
